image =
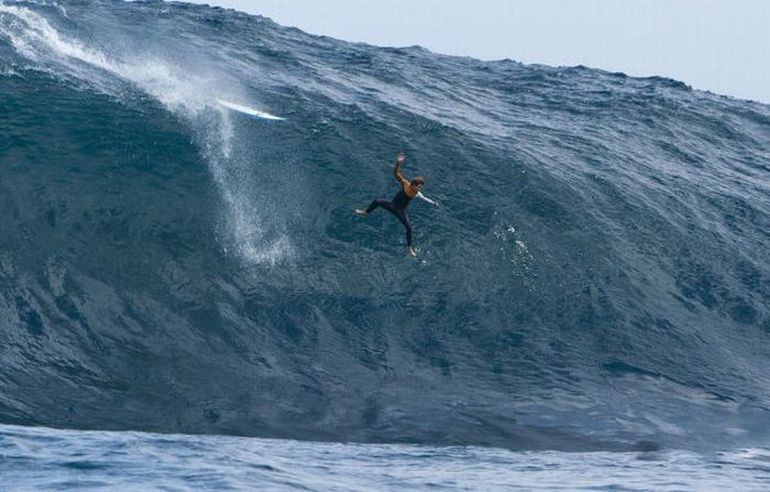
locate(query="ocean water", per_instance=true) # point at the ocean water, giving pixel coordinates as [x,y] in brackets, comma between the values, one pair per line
[594,286]
[51,459]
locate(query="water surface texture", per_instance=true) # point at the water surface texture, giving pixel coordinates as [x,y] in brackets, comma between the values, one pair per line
[597,278]
[49,459]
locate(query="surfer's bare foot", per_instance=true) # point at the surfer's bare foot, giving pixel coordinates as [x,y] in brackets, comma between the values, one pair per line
[410,251]
[360,212]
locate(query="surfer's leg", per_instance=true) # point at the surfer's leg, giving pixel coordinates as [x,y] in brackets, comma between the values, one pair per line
[405,221]
[379,203]
[375,203]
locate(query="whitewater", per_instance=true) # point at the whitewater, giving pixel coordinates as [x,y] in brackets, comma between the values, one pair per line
[180,282]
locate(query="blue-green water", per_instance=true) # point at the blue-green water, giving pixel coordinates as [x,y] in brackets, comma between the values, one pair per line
[596,279]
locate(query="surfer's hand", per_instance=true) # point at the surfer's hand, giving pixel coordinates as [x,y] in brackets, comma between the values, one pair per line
[400,158]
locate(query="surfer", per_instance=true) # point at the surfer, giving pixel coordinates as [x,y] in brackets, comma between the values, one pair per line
[410,188]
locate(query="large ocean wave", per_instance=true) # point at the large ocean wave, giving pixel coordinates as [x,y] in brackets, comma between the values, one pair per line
[596,278]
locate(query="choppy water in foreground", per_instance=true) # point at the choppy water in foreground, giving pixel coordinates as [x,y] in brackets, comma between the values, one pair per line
[49,459]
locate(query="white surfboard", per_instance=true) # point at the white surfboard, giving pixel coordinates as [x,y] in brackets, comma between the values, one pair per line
[249,111]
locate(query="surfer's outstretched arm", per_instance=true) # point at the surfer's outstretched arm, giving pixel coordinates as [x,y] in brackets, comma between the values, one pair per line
[426,199]
[397,170]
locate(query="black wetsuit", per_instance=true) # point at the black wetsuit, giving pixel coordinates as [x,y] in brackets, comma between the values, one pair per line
[397,207]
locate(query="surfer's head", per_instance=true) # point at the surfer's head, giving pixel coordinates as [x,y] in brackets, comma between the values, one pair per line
[418,182]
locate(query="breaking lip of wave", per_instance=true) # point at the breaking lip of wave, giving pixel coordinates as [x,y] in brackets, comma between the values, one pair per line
[184,92]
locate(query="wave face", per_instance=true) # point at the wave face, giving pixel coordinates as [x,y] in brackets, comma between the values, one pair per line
[596,278]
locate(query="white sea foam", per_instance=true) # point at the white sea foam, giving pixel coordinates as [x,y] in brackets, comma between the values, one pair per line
[33,37]
[183,91]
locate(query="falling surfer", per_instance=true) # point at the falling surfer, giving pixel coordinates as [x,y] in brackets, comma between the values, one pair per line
[410,188]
